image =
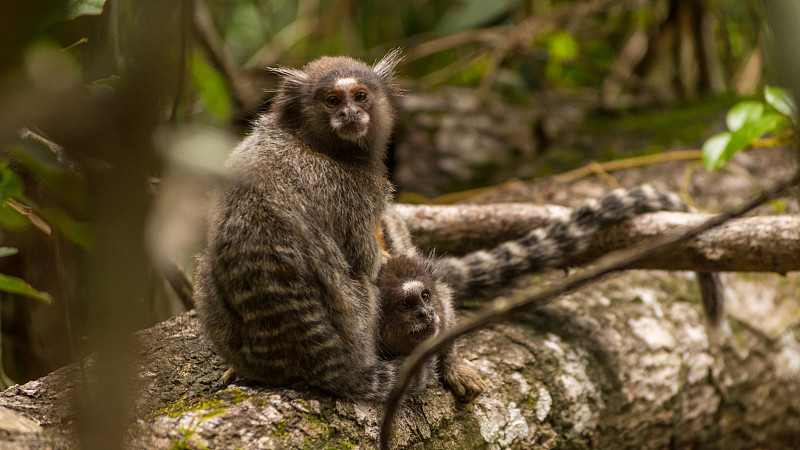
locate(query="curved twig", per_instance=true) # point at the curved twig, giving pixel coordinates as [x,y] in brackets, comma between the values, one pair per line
[627,163]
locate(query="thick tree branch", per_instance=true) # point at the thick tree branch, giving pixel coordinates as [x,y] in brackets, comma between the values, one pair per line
[504,307]
[626,361]
[763,243]
[463,228]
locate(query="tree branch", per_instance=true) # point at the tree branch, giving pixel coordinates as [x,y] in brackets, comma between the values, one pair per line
[241,87]
[763,243]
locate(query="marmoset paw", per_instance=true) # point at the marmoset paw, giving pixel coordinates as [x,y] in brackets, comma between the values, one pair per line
[464,382]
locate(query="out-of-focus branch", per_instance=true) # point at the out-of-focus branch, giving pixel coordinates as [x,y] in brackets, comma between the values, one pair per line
[302,27]
[180,282]
[203,25]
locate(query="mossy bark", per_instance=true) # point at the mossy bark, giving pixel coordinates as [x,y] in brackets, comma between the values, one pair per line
[626,363]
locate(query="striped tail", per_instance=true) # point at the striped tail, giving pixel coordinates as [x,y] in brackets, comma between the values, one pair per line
[550,246]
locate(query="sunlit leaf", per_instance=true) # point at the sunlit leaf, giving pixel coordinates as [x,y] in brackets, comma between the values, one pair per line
[713,149]
[754,129]
[562,46]
[742,113]
[720,148]
[77,232]
[77,8]
[8,251]
[782,100]
[19,286]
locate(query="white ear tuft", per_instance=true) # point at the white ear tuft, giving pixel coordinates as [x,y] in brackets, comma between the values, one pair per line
[289,75]
[385,67]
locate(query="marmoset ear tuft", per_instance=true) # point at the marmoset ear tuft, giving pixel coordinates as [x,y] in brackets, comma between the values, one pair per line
[290,75]
[385,67]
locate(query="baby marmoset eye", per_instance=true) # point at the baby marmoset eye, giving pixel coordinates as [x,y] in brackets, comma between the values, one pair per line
[332,100]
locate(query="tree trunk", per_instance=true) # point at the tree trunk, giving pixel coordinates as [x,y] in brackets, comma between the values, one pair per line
[625,363]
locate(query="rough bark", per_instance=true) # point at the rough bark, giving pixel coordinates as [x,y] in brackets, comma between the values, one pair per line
[626,364]
[763,243]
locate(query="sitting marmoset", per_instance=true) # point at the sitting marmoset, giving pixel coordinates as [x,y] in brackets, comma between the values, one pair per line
[416,306]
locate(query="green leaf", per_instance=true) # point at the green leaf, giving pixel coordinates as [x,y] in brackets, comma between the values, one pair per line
[10,184]
[104,86]
[212,88]
[742,113]
[714,158]
[11,219]
[562,46]
[16,285]
[77,8]
[472,74]
[474,14]
[77,232]
[113,81]
[8,251]
[66,187]
[713,149]
[782,100]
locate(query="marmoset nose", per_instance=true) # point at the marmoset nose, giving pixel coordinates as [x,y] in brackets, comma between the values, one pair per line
[425,314]
[350,110]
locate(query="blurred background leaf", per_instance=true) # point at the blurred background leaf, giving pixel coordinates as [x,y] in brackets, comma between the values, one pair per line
[14,285]
[84,7]
[543,85]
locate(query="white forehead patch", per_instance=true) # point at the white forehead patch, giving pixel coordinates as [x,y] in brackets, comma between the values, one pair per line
[343,83]
[410,286]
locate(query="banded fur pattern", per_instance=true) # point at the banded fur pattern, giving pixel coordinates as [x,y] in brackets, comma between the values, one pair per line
[286,286]
[549,247]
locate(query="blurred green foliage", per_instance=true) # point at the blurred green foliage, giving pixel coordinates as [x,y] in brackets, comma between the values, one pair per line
[514,48]
[749,120]
[212,89]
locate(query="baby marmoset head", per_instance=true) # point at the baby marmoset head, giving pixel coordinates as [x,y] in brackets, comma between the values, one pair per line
[412,309]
